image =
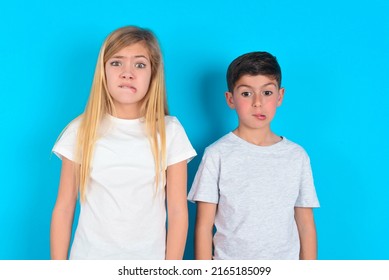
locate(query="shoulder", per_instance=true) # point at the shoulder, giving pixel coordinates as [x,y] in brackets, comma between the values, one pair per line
[177,142]
[74,124]
[66,142]
[223,144]
[171,121]
[175,132]
[173,127]
[71,129]
[294,148]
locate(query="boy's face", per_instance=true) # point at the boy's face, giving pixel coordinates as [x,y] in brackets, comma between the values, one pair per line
[255,99]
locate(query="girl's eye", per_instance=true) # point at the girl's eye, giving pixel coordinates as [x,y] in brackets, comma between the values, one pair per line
[140,65]
[115,63]
[267,93]
[246,94]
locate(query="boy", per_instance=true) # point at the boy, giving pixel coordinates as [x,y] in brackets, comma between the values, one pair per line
[254,186]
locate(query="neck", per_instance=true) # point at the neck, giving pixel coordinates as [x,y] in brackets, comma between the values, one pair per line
[129,112]
[263,137]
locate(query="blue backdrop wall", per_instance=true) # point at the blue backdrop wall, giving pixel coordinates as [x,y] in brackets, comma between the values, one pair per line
[334,59]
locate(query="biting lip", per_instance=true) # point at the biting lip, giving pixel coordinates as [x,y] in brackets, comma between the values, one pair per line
[127,86]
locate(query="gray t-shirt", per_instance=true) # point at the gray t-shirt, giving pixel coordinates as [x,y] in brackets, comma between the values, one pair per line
[256,189]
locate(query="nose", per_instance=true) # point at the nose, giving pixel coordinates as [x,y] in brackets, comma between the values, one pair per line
[257,100]
[127,74]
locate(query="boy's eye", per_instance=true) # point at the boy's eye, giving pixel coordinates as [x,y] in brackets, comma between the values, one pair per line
[267,93]
[115,63]
[246,94]
[140,65]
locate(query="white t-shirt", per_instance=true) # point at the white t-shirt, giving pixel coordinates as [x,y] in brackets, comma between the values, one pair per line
[256,190]
[123,216]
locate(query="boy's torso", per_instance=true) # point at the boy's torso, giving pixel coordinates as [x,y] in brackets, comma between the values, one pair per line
[258,189]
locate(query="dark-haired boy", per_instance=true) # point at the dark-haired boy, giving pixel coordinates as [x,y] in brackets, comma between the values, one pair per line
[254,186]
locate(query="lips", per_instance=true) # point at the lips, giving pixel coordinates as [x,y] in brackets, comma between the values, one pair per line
[259,116]
[128,86]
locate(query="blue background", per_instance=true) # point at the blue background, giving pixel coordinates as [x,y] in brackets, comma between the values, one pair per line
[334,58]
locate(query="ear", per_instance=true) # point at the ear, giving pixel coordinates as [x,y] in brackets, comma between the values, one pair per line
[281,93]
[230,100]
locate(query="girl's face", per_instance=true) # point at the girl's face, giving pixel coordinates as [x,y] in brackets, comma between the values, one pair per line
[128,74]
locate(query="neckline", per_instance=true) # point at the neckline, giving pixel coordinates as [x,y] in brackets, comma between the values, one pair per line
[252,146]
[124,121]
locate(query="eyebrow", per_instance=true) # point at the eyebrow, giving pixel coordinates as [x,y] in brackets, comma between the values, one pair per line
[136,56]
[265,85]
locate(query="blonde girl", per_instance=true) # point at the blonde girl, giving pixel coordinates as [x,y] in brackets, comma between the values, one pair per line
[126,160]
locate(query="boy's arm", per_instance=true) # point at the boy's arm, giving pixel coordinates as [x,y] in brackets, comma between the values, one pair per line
[177,210]
[205,220]
[63,212]
[307,233]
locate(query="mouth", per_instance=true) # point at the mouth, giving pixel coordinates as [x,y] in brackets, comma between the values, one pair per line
[260,116]
[128,87]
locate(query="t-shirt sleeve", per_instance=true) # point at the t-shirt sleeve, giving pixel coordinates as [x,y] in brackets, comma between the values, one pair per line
[179,147]
[307,194]
[205,187]
[65,146]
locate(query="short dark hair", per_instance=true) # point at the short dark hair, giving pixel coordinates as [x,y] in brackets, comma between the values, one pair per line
[253,63]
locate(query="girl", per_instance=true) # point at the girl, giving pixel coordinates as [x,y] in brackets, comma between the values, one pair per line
[119,156]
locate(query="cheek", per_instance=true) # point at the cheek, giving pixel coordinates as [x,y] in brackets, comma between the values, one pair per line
[149,76]
[111,88]
[271,102]
[147,80]
[111,76]
[242,103]
[272,106]
[107,76]
[109,80]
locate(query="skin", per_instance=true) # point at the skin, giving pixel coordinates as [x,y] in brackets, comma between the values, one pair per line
[255,99]
[63,212]
[205,219]
[128,76]
[177,210]
[307,233]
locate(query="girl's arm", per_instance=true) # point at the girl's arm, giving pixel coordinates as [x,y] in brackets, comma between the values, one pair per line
[177,210]
[307,232]
[63,213]
[205,219]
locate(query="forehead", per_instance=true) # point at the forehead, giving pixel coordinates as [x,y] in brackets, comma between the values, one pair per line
[256,81]
[135,50]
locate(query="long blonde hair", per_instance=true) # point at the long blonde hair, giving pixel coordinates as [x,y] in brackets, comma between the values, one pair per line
[153,107]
